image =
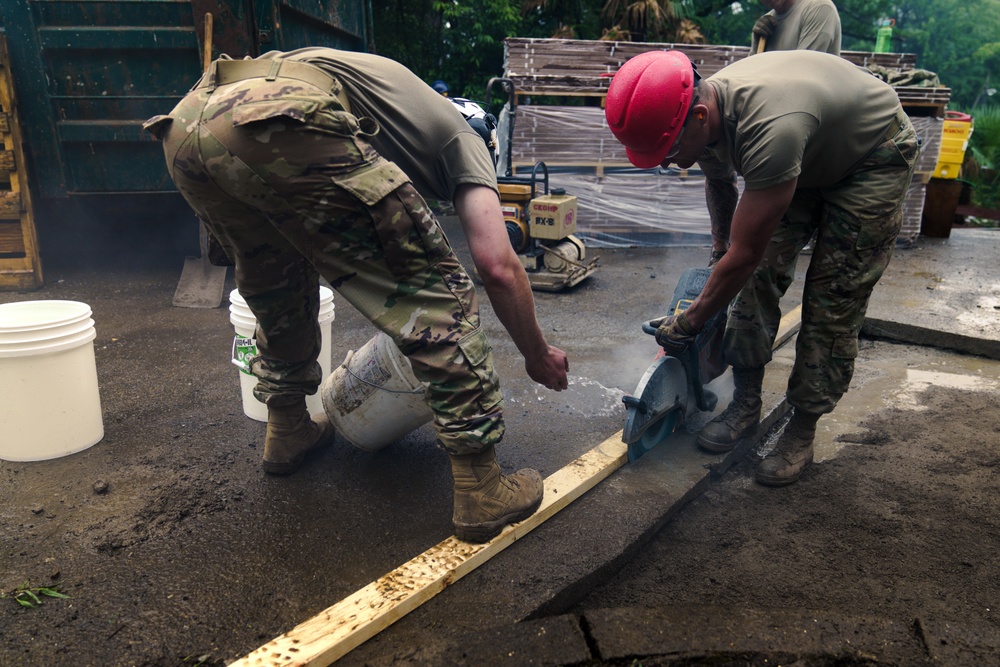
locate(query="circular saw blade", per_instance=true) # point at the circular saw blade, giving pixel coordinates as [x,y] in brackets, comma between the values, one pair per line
[658,406]
[656,433]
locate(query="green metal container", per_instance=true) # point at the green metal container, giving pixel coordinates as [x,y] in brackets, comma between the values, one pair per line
[87,73]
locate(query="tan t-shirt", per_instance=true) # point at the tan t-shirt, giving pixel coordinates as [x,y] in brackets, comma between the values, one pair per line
[800,114]
[420,131]
[813,25]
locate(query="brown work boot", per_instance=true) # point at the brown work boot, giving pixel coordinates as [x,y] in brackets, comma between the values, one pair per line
[291,436]
[740,418]
[793,453]
[486,500]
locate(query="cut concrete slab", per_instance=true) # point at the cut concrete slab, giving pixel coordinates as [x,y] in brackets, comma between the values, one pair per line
[294,546]
[589,540]
[559,564]
[703,635]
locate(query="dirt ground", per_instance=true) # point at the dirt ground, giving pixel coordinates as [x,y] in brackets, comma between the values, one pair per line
[902,524]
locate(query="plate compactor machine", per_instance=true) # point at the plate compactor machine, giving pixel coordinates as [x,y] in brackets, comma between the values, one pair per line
[541,224]
[541,228]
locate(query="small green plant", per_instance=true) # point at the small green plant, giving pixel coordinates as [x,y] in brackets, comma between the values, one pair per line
[982,168]
[27,595]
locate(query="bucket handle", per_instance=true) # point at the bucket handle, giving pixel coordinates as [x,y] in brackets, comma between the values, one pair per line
[380,387]
[347,367]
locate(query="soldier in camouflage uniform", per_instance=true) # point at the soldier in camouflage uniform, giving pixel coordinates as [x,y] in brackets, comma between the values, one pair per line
[824,148]
[308,164]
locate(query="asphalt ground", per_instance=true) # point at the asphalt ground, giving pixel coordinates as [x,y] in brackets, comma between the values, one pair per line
[939,292]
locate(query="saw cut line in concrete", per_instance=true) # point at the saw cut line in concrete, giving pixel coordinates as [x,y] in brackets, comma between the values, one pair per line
[337,630]
[347,624]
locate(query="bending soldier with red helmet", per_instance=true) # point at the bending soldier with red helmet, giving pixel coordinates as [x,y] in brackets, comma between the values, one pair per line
[823,148]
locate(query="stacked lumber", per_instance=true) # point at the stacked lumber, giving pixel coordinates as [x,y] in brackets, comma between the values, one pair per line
[20,265]
[584,67]
[565,136]
[584,158]
[575,67]
[901,62]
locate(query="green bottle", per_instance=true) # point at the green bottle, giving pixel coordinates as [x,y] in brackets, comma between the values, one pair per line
[883,37]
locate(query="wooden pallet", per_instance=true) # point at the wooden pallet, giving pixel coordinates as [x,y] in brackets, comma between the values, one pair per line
[20,264]
[584,67]
[575,139]
[578,67]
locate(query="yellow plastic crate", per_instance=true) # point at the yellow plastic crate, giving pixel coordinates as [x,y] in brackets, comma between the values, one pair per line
[957,126]
[947,170]
[955,133]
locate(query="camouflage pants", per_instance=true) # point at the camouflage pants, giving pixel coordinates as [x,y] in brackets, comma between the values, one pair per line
[289,183]
[855,224]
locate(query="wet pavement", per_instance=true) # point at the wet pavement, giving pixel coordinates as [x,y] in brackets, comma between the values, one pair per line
[939,293]
[393,504]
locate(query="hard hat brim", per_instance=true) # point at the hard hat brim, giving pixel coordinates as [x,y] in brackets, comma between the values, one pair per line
[647,159]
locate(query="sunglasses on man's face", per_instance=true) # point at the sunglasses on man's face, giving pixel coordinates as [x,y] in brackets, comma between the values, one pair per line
[676,147]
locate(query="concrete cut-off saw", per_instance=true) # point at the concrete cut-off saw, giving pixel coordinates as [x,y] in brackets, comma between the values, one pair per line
[673,388]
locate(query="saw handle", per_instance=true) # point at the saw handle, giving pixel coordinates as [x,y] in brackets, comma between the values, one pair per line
[637,403]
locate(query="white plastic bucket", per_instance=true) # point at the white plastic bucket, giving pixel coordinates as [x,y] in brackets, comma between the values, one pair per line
[49,400]
[245,324]
[373,398]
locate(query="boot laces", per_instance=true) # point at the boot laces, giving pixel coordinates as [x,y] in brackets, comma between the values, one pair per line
[737,414]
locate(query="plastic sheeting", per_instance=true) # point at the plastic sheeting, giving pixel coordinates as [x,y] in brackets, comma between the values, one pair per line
[623,206]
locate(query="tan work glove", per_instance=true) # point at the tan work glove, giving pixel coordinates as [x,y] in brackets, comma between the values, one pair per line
[764,26]
[762,30]
[674,333]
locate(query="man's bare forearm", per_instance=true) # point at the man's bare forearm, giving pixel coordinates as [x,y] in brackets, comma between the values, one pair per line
[721,196]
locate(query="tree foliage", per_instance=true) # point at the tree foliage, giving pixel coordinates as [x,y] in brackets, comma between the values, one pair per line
[461,41]
[946,35]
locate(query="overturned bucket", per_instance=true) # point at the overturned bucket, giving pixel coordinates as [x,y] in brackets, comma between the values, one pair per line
[49,400]
[373,398]
[245,347]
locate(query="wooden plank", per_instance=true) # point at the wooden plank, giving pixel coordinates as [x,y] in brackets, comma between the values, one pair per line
[11,239]
[10,205]
[24,271]
[6,165]
[337,630]
[977,211]
[788,326]
[359,617]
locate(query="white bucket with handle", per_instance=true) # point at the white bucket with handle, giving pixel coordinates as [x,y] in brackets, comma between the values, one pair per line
[245,347]
[373,398]
[49,400]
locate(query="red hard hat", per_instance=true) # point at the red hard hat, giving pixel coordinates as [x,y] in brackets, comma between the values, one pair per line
[648,101]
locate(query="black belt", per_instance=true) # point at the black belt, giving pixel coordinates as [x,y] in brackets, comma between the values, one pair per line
[223,72]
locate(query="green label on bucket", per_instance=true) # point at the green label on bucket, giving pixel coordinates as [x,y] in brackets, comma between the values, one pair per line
[244,349]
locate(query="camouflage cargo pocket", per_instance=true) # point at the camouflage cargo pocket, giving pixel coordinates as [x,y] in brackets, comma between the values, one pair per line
[410,236]
[476,350]
[878,233]
[845,347]
[297,109]
[373,183]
